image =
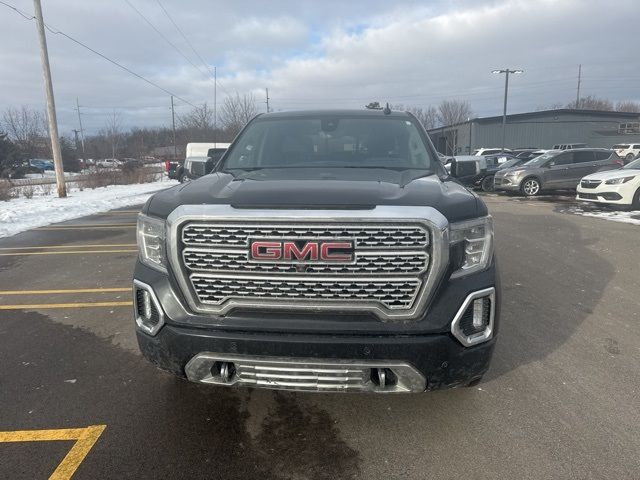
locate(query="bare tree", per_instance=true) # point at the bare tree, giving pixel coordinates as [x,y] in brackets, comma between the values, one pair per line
[428,116]
[628,106]
[199,118]
[112,132]
[451,112]
[236,111]
[591,102]
[27,127]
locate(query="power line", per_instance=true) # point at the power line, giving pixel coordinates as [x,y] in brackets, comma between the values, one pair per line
[55,31]
[206,65]
[166,39]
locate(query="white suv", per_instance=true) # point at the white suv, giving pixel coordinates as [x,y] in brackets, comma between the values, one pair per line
[628,151]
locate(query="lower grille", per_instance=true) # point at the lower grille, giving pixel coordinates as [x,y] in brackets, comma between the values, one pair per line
[588,196]
[394,293]
[305,374]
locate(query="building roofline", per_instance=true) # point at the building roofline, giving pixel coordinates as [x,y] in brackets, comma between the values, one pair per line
[561,111]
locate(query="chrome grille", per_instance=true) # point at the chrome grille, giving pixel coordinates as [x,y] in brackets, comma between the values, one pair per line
[399,255]
[226,261]
[392,293]
[408,236]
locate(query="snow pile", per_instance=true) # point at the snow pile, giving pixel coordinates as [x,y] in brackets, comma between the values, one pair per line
[632,217]
[20,214]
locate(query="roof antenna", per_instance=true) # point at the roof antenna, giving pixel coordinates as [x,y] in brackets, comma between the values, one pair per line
[387,110]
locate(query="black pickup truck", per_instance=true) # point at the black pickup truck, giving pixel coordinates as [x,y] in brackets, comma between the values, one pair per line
[327,251]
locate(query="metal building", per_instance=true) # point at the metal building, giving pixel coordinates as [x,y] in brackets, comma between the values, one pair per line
[541,129]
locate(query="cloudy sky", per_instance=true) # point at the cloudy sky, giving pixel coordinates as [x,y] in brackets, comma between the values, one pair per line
[329,53]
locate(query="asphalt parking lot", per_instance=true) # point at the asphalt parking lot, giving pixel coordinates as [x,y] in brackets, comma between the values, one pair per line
[560,400]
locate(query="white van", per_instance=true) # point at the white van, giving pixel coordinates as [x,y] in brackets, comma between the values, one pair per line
[204,149]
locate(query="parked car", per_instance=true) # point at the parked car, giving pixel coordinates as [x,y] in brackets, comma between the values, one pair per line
[108,163]
[555,170]
[39,165]
[628,151]
[527,153]
[196,167]
[490,151]
[215,151]
[482,175]
[617,187]
[568,146]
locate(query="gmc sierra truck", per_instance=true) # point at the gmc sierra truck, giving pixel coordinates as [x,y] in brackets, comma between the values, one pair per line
[326,251]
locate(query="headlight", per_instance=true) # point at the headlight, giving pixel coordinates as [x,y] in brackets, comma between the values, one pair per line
[473,242]
[618,181]
[151,242]
[513,172]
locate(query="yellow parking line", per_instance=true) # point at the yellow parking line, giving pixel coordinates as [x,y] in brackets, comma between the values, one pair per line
[42,306]
[40,247]
[66,252]
[56,292]
[85,440]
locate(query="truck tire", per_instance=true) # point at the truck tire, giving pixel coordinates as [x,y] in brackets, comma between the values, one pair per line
[629,157]
[530,187]
[487,184]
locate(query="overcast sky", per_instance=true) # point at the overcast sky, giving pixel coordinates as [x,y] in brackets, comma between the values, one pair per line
[319,54]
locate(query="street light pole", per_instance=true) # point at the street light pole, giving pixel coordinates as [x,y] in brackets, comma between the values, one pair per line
[51,106]
[506,71]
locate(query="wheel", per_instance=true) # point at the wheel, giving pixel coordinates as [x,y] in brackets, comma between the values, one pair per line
[530,187]
[629,157]
[635,204]
[183,179]
[487,184]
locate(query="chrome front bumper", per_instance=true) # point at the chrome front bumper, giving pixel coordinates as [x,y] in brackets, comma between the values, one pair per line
[305,374]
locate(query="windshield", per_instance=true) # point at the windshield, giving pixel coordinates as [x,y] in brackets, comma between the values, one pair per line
[510,163]
[325,141]
[635,165]
[536,162]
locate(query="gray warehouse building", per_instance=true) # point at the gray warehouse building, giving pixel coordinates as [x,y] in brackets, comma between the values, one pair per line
[541,129]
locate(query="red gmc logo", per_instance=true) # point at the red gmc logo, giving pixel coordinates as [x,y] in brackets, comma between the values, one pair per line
[301,251]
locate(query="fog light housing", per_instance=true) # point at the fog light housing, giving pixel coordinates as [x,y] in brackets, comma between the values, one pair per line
[473,324]
[147,310]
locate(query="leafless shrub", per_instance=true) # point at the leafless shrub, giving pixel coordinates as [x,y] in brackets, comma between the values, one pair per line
[27,191]
[46,188]
[126,176]
[100,178]
[6,192]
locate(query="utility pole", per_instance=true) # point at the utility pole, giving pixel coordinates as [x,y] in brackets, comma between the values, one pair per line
[51,106]
[506,71]
[75,134]
[215,105]
[81,129]
[173,123]
[267,101]
[579,79]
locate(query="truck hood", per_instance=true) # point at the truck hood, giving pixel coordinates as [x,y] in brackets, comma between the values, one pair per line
[326,188]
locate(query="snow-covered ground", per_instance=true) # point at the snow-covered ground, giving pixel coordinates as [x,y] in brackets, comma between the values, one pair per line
[20,214]
[606,214]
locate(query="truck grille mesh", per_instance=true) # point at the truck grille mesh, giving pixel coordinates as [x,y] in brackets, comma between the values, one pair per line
[391,264]
[391,293]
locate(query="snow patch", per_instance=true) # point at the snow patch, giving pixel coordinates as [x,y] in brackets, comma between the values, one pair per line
[21,214]
[632,217]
